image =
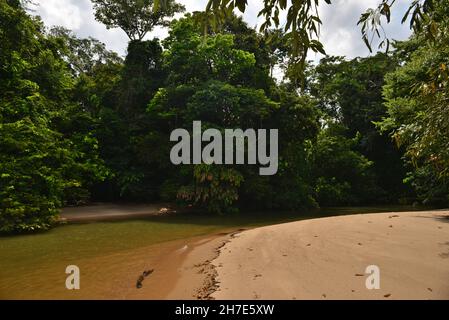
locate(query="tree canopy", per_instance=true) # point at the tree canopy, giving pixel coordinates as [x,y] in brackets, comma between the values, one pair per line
[48,153]
[302,25]
[135,17]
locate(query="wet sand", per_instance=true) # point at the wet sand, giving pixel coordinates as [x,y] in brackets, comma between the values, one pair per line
[196,276]
[327,259]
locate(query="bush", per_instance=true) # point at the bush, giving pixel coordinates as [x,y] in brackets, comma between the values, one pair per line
[215,188]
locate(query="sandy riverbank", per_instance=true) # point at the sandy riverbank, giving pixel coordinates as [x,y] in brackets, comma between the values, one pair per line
[324,259]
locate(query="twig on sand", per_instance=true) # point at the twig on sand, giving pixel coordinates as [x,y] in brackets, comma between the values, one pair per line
[142,277]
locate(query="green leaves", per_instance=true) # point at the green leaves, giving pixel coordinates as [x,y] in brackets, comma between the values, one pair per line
[241,5]
[135,17]
[416,97]
[46,157]
[420,13]
[302,24]
[223,80]
[215,188]
[343,176]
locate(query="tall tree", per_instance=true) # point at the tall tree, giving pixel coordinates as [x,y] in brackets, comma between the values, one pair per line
[135,17]
[83,54]
[350,93]
[126,131]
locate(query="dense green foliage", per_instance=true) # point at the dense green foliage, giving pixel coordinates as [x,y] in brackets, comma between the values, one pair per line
[48,154]
[79,124]
[136,18]
[219,81]
[302,22]
[418,107]
[350,93]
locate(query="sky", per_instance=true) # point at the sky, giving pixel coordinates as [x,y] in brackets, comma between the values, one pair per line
[339,33]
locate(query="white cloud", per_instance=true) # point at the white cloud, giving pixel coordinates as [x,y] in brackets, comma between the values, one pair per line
[340,33]
[60,12]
